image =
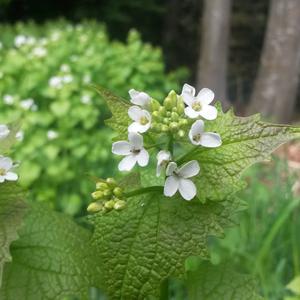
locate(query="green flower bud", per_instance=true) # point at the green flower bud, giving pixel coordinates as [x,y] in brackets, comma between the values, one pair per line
[95,207]
[168,114]
[162,111]
[120,204]
[181,133]
[174,116]
[166,120]
[183,122]
[174,126]
[174,109]
[111,182]
[97,195]
[107,193]
[118,192]
[101,185]
[155,105]
[109,204]
[155,115]
[168,103]
[164,128]
[180,105]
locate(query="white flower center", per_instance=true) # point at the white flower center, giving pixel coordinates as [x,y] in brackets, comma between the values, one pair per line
[197,137]
[196,106]
[2,172]
[144,120]
[135,151]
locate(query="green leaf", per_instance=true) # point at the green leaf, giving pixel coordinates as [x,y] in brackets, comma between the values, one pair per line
[119,109]
[12,210]
[150,240]
[221,282]
[5,144]
[246,140]
[294,286]
[51,259]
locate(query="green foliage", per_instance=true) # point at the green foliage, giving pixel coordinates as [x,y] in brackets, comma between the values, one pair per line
[208,282]
[63,132]
[51,259]
[12,210]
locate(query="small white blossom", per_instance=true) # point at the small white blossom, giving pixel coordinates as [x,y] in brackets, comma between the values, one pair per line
[4,131]
[39,52]
[65,68]
[6,165]
[27,104]
[163,158]
[139,98]
[20,40]
[199,106]
[8,99]
[198,136]
[86,99]
[141,118]
[55,36]
[56,82]
[133,150]
[178,179]
[52,134]
[20,135]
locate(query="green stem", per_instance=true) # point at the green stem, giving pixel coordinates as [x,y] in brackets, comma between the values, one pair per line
[184,156]
[144,191]
[171,144]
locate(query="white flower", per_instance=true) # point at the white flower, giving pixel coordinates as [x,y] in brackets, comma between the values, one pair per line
[51,134]
[139,98]
[4,131]
[55,82]
[86,99]
[20,40]
[6,165]
[198,136]
[178,179]
[141,118]
[27,104]
[8,99]
[20,135]
[199,105]
[39,52]
[133,151]
[163,158]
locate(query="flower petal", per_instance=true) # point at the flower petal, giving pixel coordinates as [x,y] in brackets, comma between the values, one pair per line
[121,148]
[137,127]
[188,89]
[139,98]
[163,155]
[196,129]
[171,186]
[188,99]
[143,158]
[208,112]
[2,179]
[11,176]
[210,140]
[191,113]
[205,96]
[135,113]
[127,163]
[172,166]
[6,163]
[187,189]
[158,170]
[135,140]
[189,169]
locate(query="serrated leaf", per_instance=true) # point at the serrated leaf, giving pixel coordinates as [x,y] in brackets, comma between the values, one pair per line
[12,210]
[119,109]
[246,140]
[51,259]
[149,241]
[221,282]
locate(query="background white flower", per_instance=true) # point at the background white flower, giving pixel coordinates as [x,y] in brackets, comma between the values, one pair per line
[163,158]
[141,118]
[198,136]
[39,52]
[199,106]
[4,131]
[6,166]
[139,98]
[178,179]
[52,134]
[133,151]
[20,40]
[20,135]
[8,99]
[27,103]
[55,82]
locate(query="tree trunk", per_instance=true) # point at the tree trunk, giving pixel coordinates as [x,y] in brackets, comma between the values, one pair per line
[275,88]
[212,63]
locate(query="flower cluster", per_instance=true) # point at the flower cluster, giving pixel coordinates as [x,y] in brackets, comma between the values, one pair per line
[108,196]
[180,117]
[6,164]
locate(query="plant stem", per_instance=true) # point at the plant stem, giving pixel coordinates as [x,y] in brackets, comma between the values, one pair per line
[171,144]
[144,191]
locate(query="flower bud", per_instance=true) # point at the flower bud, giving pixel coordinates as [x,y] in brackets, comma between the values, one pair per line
[168,103]
[181,133]
[101,185]
[162,111]
[173,126]
[180,105]
[155,115]
[118,192]
[97,195]
[111,182]
[166,120]
[95,207]
[174,116]
[109,204]
[155,105]
[183,122]
[119,205]
[164,128]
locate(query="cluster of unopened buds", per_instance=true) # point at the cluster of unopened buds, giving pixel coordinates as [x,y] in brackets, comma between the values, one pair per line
[108,196]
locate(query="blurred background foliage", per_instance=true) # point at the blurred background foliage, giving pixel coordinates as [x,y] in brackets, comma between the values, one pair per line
[50,53]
